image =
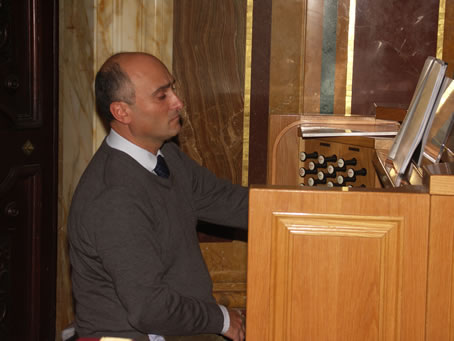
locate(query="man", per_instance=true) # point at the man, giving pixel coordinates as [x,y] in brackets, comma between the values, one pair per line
[137,269]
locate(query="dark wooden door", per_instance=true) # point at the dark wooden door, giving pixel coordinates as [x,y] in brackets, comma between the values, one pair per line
[28,168]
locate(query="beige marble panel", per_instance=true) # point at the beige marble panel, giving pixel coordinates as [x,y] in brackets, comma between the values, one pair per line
[90,31]
[76,107]
[287,56]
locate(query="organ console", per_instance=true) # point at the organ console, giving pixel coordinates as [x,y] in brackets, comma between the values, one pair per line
[332,259]
[352,254]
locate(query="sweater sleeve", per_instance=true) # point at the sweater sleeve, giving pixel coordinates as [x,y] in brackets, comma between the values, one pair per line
[127,241]
[216,200]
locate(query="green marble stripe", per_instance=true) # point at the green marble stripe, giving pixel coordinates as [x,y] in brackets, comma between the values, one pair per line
[328,56]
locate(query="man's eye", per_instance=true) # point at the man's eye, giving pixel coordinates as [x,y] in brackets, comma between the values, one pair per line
[162,97]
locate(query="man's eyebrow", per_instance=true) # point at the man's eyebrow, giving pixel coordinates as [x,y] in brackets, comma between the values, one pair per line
[163,87]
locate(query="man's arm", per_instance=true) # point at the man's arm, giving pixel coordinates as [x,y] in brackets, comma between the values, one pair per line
[215,200]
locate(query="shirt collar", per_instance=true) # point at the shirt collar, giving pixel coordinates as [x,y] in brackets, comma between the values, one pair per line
[147,159]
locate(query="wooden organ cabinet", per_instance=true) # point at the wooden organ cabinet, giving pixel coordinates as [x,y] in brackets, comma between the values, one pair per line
[348,263]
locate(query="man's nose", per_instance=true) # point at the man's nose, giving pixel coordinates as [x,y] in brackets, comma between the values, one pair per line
[177,102]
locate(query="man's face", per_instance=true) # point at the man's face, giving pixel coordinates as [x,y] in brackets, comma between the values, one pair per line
[155,116]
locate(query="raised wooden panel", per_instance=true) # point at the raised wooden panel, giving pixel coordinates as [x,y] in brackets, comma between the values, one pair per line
[440,297]
[328,265]
[333,272]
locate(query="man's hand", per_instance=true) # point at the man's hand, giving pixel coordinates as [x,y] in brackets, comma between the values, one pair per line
[237,331]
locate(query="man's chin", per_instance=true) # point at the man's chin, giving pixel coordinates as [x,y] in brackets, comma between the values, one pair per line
[175,130]
[174,136]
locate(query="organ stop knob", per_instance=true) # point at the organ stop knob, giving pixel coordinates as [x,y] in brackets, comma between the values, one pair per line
[352,172]
[315,182]
[342,163]
[304,171]
[342,180]
[304,156]
[332,184]
[312,165]
[323,159]
[322,176]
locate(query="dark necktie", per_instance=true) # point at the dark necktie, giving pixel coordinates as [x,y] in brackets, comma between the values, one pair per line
[161,168]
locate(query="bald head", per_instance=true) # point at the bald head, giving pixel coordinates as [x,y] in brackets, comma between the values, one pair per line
[115,80]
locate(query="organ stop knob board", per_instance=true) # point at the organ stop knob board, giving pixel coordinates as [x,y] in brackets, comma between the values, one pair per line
[336,162]
[301,153]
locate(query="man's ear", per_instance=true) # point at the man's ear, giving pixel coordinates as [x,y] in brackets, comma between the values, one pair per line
[120,111]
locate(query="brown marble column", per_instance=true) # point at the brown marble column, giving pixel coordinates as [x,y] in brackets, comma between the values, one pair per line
[392,41]
[260,77]
[208,63]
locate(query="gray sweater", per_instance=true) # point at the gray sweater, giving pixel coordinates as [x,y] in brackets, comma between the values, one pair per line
[136,262]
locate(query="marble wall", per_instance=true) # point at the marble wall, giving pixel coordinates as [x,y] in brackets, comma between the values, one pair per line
[310,62]
[447,48]
[259,94]
[76,107]
[308,67]
[90,31]
[288,41]
[392,41]
[209,65]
